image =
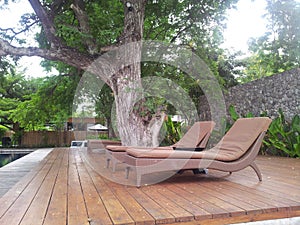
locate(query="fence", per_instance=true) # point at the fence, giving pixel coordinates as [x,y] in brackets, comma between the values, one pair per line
[33,139]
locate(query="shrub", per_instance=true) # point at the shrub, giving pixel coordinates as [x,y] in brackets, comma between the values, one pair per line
[284,135]
[172,131]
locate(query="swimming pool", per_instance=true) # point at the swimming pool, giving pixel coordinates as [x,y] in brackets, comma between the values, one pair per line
[7,158]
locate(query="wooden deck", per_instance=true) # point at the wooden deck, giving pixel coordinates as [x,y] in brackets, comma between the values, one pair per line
[69,187]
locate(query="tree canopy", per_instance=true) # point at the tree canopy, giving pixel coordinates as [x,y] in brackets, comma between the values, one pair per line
[50,105]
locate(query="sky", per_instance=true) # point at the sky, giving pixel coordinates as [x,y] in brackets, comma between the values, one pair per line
[11,17]
[243,23]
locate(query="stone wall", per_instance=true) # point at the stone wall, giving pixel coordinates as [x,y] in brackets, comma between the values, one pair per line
[264,95]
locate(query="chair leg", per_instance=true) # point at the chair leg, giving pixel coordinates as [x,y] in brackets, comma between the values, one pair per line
[107,162]
[200,171]
[127,172]
[180,172]
[138,179]
[138,176]
[114,165]
[257,171]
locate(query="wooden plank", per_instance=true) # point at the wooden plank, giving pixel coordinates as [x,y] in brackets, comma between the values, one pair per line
[17,210]
[161,215]
[275,187]
[279,162]
[228,195]
[198,212]
[197,190]
[237,219]
[57,210]
[246,218]
[182,191]
[135,210]
[260,200]
[283,195]
[266,200]
[269,181]
[294,213]
[288,176]
[176,210]
[117,212]
[77,212]
[96,210]
[37,210]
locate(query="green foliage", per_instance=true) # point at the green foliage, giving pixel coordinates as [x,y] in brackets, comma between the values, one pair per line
[232,112]
[284,135]
[234,116]
[278,50]
[105,24]
[229,66]
[14,89]
[2,131]
[173,77]
[51,104]
[17,137]
[195,24]
[172,131]
[104,103]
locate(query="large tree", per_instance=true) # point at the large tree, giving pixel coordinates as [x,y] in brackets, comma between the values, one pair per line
[78,32]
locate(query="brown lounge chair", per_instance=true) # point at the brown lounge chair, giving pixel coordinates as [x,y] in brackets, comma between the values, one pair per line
[196,138]
[236,150]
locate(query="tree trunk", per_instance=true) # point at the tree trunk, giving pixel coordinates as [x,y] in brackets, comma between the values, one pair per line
[134,128]
[111,131]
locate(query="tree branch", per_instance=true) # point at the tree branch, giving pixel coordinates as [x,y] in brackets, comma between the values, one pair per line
[16,33]
[180,32]
[5,125]
[67,55]
[79,10]
[47,23]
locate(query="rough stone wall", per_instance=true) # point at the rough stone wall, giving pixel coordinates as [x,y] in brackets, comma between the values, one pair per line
[264,95]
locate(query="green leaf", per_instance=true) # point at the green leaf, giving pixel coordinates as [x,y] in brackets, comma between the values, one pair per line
[233,113]
[296,124]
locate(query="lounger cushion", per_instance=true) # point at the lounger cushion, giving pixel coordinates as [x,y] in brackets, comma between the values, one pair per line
[240,137]
[198,130]
[232,146]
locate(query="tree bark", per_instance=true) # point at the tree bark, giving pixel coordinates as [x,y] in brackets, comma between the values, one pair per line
[134,129]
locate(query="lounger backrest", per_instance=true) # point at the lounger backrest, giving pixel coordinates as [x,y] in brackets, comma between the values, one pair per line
[241,136]
[197,135]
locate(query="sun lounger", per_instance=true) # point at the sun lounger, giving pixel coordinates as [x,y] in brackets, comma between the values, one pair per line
[195,138]
[236,150]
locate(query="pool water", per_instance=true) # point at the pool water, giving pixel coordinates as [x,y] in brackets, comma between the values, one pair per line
[7,158]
